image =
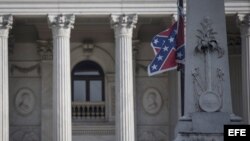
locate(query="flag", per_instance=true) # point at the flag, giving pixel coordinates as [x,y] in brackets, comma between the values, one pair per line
[168,46]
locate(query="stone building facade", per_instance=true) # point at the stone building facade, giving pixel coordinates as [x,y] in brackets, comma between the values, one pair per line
[78,69]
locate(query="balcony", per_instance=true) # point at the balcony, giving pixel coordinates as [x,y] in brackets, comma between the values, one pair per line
[88,111]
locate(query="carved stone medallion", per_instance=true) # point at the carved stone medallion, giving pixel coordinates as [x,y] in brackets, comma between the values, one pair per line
[152,101]
[24,101]
[210,102]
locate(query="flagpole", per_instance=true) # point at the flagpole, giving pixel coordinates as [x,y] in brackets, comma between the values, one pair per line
[181,66]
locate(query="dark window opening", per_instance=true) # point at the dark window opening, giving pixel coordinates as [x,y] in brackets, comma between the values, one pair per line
[87,82]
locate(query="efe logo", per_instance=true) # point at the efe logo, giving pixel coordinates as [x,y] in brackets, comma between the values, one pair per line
[241,132]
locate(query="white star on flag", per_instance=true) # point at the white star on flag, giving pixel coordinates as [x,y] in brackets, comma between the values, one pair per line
[171,39]
[159,58]
[156,41]
[165,48]
[154,67]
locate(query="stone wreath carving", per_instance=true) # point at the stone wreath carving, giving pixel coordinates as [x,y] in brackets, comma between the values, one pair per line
[208,98]
[25,70]
[152,101]
[24,101]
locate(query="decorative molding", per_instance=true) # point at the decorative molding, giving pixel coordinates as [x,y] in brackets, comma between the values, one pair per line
[24,101]
[45,49]
[93,130]
[97,7]
[152,101]
[14,67]
[153,135]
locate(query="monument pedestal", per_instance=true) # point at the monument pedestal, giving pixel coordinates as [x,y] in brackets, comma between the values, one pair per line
[207,102]
[204,126]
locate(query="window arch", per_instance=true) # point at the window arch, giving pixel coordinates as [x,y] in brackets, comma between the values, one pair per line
[87,82]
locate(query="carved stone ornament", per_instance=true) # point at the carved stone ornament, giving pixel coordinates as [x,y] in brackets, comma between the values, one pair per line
[66,21]
[61,24]
[14,67]
[152,101]
[206,38]
[210,101]
[124,20]
[123,24]
[208,97]
[153,135]
[45,49]
[24,101]
[6,21]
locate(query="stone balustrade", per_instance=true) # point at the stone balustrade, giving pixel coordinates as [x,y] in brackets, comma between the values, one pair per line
[88,111]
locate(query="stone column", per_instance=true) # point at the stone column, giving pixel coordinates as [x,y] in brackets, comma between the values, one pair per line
[5,25]
[245,53]
[45,52]
[61,26]
[123,26]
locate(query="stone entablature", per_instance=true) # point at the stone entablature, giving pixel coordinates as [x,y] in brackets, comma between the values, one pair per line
[105,7]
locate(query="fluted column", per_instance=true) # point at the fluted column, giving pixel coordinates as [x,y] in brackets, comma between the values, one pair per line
[123,26]
[245,42]
[5,25]
[61,26]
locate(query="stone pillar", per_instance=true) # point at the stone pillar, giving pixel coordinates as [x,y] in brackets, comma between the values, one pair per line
[245,53]
[61,26]
[207,99]
[45,52]
[123,26]
[5,25]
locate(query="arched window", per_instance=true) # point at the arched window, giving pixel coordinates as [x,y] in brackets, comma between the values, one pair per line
[87,82]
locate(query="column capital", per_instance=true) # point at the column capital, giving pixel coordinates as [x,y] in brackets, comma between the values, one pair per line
[6,22]
[61,24]
[124,23]
[63,21]
[243,21]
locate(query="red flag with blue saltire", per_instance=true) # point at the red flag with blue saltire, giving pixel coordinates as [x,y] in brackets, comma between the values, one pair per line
[168,46]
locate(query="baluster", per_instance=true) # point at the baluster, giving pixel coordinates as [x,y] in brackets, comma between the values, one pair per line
[83,111]
[99,112]
[88,111]
[103,111]
[78,111]
[95,111]
[91,111]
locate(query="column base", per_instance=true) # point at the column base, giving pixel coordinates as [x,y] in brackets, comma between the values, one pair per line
[203,126]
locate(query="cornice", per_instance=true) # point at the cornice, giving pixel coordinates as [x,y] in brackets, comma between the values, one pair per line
[104,7]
